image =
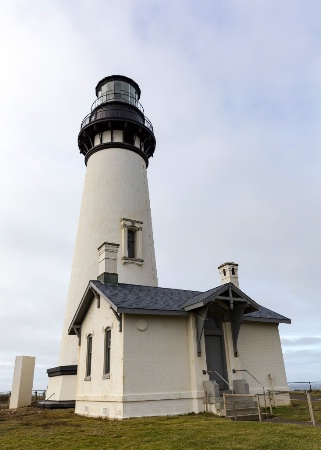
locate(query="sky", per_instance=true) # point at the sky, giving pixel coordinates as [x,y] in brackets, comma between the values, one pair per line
[233,89]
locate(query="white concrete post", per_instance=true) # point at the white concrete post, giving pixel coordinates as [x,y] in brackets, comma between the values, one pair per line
[21,392]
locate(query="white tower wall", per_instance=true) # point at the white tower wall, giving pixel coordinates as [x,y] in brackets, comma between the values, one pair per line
[117,140]
[115,187]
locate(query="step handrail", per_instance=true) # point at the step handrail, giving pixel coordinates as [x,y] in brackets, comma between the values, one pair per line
[245,370]
[43,405]
[224,381]
[211,371]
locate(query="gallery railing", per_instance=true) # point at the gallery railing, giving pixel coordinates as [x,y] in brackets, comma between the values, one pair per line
[103,113]
[117,96]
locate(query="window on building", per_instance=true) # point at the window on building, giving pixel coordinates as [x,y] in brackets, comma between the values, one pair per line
[107,351]
[89,355]
[131,243]
[224,272]
[233,271]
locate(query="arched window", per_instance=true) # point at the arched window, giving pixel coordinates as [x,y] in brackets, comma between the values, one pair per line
[89,355]
[107,352]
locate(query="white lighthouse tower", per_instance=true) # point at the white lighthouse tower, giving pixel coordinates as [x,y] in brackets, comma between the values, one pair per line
[117,141]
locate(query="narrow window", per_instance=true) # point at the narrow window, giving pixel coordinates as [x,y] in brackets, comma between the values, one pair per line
[107,351]
[224,272]
[131,243]
[89,354]
[233,271]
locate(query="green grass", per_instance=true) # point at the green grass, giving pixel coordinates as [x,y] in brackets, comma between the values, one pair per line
[31,428]
[299,411]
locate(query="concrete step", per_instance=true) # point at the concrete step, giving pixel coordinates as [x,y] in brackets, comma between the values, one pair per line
[225,391]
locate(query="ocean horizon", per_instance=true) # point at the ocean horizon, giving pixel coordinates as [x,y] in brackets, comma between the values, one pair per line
[305,386]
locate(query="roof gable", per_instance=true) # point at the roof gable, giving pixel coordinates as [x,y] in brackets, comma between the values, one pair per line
[225,293]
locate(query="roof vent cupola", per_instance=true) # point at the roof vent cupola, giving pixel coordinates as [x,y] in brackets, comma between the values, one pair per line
[229,273]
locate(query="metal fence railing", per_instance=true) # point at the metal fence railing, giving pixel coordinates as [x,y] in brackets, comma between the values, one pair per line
[305,385]
[4,399]
[37,395]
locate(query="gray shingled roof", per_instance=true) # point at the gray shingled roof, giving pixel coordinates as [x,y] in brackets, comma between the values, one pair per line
[131,298]
[145,297]
[201,296]
[264,315]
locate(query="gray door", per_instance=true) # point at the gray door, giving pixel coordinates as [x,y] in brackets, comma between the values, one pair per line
[215,354]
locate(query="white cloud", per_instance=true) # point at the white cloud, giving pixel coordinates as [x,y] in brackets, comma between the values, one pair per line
[233,90]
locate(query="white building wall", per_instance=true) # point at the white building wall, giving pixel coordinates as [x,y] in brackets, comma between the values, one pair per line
[156,366]
[260,352]
[198,365]
[100,396]
[155,369]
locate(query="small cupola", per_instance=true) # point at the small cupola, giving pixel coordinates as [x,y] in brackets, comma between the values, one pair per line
[107,263]
[229,273]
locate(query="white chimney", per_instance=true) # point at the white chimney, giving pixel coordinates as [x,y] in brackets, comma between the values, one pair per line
[229,273]
[107,263]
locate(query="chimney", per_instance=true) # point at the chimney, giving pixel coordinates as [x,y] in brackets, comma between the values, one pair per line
[229,273]
[107,263]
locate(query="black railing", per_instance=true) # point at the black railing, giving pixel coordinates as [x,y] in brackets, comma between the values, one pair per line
[39,394]
[117,96]
[99,115]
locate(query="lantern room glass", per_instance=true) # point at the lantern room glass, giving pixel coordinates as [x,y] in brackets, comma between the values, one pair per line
[117,90]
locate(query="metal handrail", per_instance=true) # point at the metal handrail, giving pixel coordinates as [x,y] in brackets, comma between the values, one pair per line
[118,95]
[245,370]
[92,117]
[224,380]
[43,405]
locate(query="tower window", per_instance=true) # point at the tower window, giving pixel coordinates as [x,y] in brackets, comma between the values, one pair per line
[224,272]
[233,271]
[89,355]
[131,243]
[107,352]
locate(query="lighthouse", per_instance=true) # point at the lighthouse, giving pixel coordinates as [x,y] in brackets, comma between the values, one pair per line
[117,140]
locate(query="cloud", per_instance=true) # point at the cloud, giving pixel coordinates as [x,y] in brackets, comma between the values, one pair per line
[233,91]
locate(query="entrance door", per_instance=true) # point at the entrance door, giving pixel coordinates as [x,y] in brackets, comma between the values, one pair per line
[215,354]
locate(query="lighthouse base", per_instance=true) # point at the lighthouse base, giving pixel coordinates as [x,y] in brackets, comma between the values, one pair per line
[62,384]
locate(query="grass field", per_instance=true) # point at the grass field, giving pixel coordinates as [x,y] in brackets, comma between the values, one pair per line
[31,428]
[298,411]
